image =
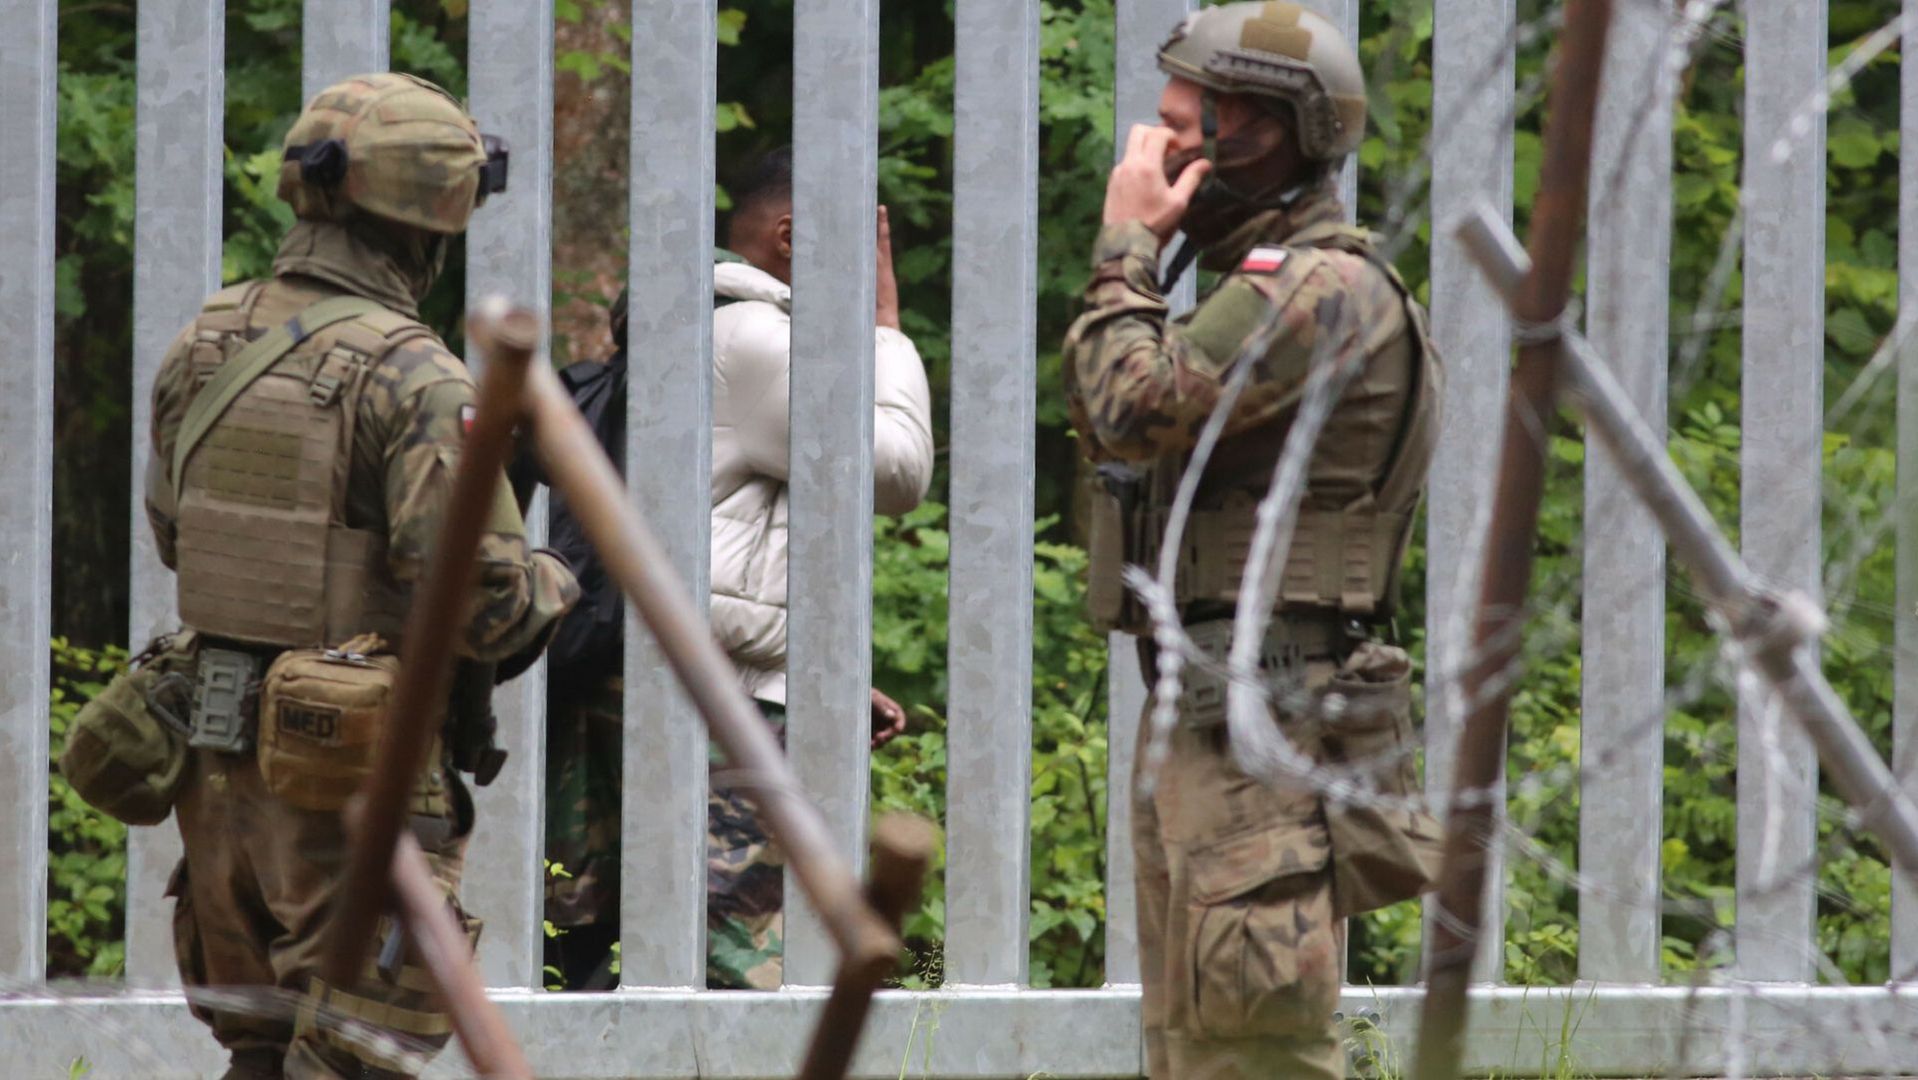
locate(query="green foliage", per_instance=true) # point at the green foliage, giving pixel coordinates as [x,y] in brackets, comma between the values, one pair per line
[1068,740]
[87,860]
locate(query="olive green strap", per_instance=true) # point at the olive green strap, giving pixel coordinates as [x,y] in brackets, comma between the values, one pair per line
[254,361]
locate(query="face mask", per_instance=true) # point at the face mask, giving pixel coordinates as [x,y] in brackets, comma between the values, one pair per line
[1239,185]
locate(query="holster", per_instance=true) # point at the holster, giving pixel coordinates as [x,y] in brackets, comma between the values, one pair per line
[1116,492]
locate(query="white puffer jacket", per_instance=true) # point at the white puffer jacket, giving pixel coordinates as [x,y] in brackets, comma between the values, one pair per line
[752,367]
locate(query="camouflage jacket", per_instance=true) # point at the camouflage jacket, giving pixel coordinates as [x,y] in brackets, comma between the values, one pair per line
[405,448]
[1140,384]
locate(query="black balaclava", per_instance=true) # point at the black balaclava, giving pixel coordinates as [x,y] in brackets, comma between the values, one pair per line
[1238,186]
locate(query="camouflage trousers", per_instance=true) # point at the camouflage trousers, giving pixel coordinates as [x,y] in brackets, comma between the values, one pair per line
[745,882]
[745,872]
[253,901]
[1239,951]
[583,770]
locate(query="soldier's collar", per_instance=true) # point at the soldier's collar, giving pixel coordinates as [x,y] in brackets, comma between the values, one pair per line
[1298,210]
[338,255]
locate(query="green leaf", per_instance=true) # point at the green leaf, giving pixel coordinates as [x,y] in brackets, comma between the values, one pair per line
[730,22]
[1853,144]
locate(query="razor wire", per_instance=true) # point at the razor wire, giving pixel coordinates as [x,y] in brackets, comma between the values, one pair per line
[1259,745]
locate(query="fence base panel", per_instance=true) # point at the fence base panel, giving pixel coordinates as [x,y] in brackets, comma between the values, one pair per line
[1617,1031]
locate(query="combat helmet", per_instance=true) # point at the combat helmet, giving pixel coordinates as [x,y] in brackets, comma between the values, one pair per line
[1281,51]
[394,146]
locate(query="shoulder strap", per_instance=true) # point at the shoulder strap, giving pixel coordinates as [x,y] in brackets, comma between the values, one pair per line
[254,361]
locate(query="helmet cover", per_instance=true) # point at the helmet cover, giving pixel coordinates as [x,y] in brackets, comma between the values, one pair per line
[391,145]
[1282,51]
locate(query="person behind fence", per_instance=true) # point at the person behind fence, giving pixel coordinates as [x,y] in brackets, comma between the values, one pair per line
[752,375]
[1243,884]
[306,429]
[752,367]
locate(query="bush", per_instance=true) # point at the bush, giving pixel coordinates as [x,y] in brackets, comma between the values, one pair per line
[1068,740]
[87,850]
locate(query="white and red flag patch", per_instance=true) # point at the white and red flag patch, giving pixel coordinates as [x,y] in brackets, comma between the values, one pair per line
[1264,260]
[467,412]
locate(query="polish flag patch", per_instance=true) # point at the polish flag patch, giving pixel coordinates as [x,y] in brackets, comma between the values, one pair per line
[1264,260]
[467,412]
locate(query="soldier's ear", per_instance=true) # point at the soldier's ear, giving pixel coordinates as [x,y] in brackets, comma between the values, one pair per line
[783,236]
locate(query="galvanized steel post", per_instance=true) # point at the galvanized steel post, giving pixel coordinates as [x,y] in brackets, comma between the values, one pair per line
[340,38]
[669,428]
[1781,457]
[1137,83]
[1462,923]
[1622,743]
[1904,711]
[178,172]
[1345,15]
[995,241]
[835,210]
[1473,87]
[509,252]
[28,78]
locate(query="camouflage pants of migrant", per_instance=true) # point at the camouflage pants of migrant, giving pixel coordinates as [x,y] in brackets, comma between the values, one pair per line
[744,869]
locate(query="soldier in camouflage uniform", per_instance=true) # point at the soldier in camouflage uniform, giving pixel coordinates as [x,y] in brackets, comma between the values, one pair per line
[302,516]
[1242,885]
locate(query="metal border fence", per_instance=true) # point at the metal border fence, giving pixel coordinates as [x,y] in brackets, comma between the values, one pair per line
[985,1021]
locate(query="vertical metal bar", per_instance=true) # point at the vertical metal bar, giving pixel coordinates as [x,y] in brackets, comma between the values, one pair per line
[1125,707]
[176,246]
[28,76]
[1783,396]
[835,208]
[1345,15]
[339,38]
[995,236]
[1622,750]
[1137,83]
[1473,86]
[669,430]
[509,250]
[1904,712]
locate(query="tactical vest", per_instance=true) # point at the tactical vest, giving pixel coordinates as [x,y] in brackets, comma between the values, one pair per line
[1344,559]
[264,554]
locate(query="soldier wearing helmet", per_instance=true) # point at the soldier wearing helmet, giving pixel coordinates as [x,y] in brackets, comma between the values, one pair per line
[1243,884]
[306,429]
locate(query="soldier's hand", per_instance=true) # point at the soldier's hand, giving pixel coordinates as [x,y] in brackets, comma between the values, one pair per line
[1138,189]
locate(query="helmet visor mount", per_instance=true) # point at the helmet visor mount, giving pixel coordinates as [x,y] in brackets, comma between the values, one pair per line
[493,171]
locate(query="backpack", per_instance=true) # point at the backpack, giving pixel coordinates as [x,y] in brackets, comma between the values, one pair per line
[589,641]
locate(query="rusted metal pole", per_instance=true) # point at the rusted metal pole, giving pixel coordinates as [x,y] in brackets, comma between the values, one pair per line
[446,953]
[578,467]
[902,848]
[507,339]
[1558,216]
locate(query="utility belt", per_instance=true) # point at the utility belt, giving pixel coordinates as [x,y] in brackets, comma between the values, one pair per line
[1292,640]
[316,717]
